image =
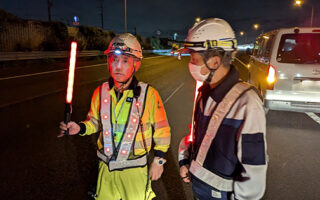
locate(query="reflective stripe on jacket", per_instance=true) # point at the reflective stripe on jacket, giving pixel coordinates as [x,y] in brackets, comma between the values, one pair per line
[153,118]
[232,154]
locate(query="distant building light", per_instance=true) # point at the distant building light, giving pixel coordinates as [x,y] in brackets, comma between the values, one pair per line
[75,20]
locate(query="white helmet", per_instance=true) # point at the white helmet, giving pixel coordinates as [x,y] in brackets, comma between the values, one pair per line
[211,33]
[125,43]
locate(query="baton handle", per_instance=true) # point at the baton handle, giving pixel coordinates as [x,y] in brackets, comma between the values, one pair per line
[67,116]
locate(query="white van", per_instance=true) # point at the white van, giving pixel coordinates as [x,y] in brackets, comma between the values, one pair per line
[285,67]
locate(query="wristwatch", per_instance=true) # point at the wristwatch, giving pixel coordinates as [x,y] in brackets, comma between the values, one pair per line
[159,161]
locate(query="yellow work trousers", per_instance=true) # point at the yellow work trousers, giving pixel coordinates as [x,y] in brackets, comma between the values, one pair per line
[127,184]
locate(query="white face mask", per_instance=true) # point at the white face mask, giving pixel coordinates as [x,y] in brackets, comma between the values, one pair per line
[195,72]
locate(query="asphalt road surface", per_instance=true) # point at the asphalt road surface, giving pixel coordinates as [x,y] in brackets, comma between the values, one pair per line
[35,164]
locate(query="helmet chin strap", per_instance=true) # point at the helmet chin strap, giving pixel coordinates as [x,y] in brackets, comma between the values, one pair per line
[212,71]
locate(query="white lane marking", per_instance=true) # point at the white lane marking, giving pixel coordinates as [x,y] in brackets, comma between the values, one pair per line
[61,70]
[176,90]
[45,94]
[48,72]
[241,62]
[314,117]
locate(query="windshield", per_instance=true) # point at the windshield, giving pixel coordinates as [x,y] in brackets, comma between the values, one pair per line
[301,48]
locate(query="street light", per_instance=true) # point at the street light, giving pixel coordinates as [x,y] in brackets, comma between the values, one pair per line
[256,26]
[198,19]
[241,33]
[299,3]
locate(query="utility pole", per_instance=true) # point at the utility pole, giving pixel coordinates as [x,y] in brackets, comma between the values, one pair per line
[125,16]
[299,3]
[101,12]
[50,4]
[312,14]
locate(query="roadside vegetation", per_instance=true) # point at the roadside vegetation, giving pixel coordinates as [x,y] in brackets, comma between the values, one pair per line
[17,34]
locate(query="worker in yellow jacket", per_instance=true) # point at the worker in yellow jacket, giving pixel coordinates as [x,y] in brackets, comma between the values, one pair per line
[129,116]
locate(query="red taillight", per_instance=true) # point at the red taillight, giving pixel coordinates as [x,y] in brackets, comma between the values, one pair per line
[271,76]
[316,30]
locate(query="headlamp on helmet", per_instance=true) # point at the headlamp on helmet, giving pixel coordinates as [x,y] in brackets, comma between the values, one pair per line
[211,34]
[212,44]
[119,49]
[118,52]
[125,44]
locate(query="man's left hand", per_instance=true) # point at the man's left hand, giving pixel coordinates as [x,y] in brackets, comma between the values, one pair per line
[155,171]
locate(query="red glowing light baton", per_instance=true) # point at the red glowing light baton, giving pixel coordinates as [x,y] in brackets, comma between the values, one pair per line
[72,65]
[190,137]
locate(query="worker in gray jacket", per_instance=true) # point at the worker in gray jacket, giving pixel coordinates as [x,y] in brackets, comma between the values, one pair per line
[226,156]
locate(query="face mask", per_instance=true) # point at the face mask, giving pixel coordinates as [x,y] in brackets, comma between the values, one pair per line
[195,72]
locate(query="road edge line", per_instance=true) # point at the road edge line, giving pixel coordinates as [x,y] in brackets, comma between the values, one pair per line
[241,62]
[314,117]
[176,90]
[48,72]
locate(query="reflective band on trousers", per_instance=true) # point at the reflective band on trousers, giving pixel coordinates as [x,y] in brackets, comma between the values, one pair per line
[210,178]
[131,130]
[217,117]
[112,164]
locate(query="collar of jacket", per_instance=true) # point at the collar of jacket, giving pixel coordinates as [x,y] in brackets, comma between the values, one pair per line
[132,86]
[222,89]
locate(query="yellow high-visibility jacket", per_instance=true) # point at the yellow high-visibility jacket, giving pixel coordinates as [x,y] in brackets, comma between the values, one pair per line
[154,121]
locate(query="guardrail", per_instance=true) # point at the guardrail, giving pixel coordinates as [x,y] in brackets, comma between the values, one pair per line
[7,56]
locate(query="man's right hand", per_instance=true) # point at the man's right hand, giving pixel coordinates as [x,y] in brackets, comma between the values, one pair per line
[184,173]
[73,127]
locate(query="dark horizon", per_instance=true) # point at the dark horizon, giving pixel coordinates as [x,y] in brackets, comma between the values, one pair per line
[171,16]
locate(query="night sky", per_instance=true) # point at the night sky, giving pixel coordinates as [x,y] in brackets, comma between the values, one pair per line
[171,16]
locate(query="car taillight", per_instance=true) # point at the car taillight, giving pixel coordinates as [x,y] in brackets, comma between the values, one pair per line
[271,74]
[271,77]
